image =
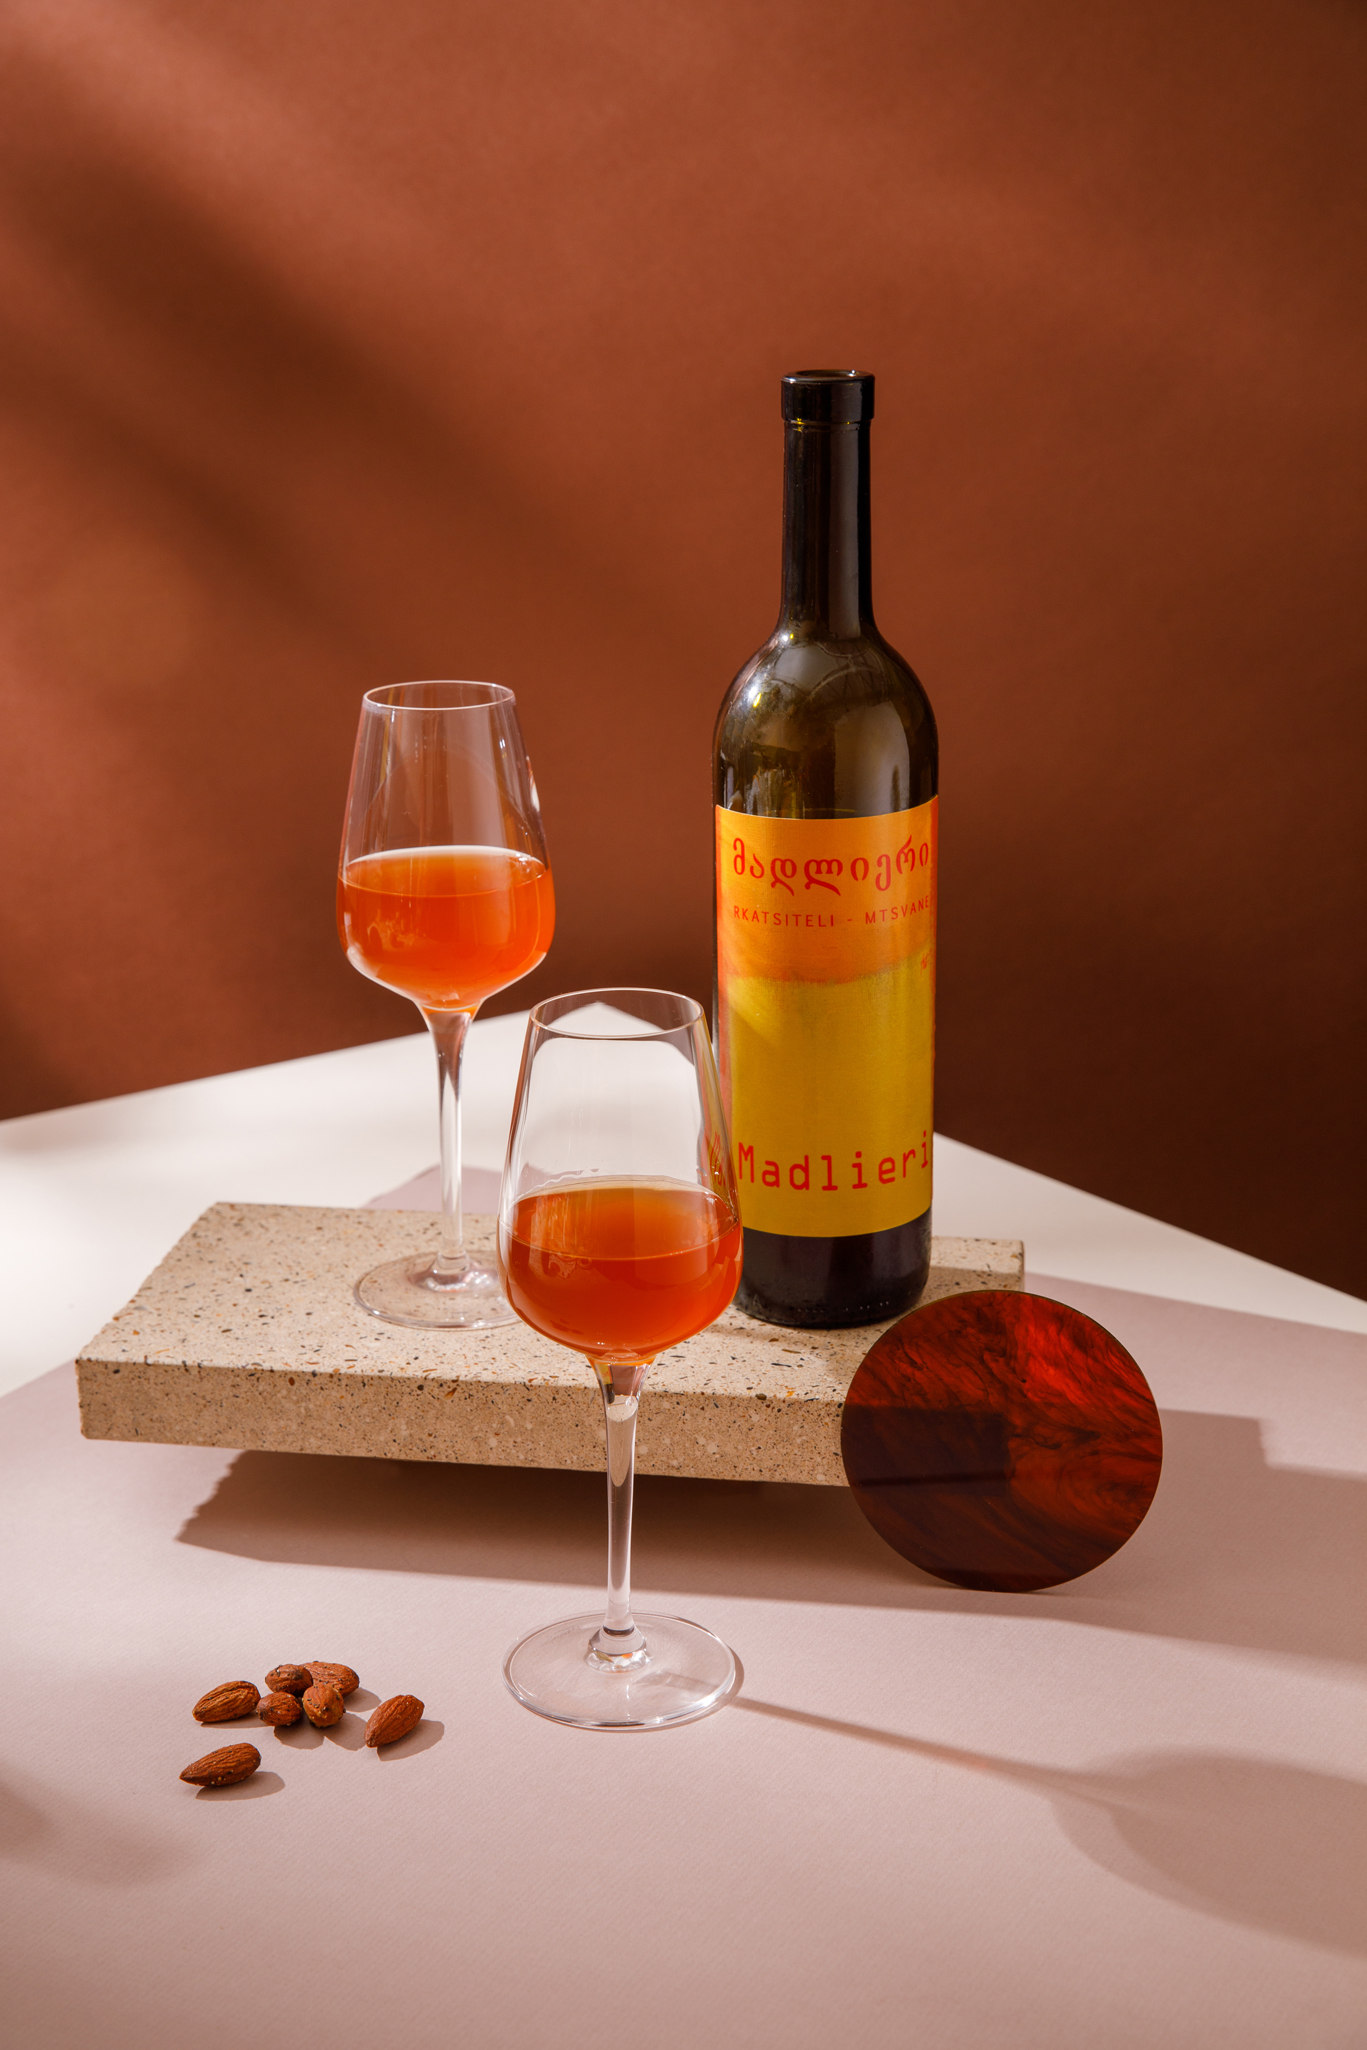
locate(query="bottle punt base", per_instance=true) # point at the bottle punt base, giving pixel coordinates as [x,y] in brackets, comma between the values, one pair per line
[686,1672]
[828,1284]
[408,1292]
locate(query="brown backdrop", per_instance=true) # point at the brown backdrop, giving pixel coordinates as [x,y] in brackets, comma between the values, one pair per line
[395,338]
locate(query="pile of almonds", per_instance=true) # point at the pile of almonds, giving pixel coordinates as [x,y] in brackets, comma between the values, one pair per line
[317,1690]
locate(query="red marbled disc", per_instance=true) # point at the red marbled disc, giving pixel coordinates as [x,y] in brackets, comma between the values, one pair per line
[1001,1440]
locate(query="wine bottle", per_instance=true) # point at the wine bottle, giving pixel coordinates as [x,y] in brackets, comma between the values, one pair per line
[825,768]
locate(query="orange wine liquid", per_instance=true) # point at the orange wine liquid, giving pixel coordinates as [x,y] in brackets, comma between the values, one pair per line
[446,926]
[620,1270]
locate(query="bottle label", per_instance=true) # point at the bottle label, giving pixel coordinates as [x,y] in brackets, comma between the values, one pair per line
[826,1017]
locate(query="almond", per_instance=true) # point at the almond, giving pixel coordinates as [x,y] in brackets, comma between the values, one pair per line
[340,1677]
[393,1719]
[224,1704]
[288,1679]
[223,1768]
[323,1705]
[280,1708]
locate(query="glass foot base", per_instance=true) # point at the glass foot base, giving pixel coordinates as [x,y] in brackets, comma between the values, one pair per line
[406,1292]
[683,1673]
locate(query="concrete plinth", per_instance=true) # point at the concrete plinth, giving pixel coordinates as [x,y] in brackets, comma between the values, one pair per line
[247,1336]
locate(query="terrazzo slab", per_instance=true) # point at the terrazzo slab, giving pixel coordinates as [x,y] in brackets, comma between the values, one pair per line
[247,1336]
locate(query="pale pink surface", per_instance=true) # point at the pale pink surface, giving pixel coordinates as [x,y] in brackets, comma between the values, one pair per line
[1125,1813]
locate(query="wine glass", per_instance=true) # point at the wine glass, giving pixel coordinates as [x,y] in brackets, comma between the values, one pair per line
[443,894]
[619,1235]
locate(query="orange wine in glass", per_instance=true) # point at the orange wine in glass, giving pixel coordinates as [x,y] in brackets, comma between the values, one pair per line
[444,894]
[621,1268]
[448,926]
[619,1236]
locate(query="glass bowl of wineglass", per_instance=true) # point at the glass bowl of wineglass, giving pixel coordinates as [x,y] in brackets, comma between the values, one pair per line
[619,1235]
[444,894]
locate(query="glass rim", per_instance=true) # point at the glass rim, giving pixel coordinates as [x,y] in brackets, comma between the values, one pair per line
[587,996]
[387,697]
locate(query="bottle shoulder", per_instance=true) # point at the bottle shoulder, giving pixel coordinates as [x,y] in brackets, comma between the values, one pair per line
[825,728]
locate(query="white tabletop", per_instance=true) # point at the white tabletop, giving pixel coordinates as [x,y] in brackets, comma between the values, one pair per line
[1127,1812]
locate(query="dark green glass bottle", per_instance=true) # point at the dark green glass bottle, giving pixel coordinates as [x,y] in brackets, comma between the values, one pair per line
[826,722]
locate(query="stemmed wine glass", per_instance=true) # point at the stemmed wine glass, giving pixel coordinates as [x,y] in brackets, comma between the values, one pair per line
[443,894]
[619,1235]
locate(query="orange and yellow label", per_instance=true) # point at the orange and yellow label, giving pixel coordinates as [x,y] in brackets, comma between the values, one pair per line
[826,1017]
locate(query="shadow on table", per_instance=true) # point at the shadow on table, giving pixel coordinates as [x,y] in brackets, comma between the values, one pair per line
[1233,1551]
[256,1788]
[61,1832]
[1268,1845]
[349,1735]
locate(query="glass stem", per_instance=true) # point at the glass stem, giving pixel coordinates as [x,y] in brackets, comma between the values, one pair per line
[618,1639]
[448,1030]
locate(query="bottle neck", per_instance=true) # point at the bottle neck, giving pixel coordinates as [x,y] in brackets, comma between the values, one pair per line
[827,581]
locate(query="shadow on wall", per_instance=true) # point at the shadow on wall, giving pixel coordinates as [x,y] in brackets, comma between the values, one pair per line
[395,352]
[259,488]
[1233,1552]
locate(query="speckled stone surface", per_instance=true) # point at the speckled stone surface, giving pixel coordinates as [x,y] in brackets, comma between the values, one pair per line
[247,1336]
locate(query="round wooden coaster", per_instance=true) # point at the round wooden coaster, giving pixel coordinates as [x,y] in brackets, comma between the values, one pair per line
[1001,1440]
